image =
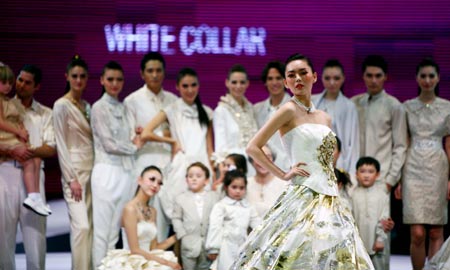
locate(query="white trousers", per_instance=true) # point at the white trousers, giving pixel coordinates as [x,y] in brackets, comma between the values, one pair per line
[111,189]
[12,212]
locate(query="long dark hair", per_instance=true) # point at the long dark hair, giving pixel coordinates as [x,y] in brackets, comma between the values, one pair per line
[429,62]
[202,115]
[111,65]
[75,62]
[331,63]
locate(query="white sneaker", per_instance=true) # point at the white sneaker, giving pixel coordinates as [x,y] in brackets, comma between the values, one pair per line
[47,208]
[35,205]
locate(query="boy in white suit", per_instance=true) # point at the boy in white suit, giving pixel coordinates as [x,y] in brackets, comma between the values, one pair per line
[191,217]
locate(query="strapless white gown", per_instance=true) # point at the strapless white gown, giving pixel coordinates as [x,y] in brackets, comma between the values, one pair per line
[308,227]
[123,259]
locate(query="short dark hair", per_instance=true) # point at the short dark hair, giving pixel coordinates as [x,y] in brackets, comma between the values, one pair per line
[338,144]
[298,56]
[279,66]
[32,69]
[368,161]
[201,166]
[231,175]
[375,60]
[152,56]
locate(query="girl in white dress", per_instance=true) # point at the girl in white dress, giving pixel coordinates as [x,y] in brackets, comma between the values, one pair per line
[229,222]
[234,119]
[191,135]
[139,223]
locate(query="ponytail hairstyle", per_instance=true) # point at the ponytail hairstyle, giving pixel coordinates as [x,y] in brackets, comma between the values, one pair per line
[146,169]
[240,161]
[111,65]
[76,61]
[429,62]
[202,115]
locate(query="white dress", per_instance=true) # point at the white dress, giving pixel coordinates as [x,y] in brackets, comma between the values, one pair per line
[441,260]
[308,227]
[123,259]
[186,129]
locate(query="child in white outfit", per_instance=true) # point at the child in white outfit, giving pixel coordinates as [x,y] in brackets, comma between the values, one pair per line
[229,222]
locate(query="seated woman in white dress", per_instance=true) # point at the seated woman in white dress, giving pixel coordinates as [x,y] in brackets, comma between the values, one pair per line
[139,223]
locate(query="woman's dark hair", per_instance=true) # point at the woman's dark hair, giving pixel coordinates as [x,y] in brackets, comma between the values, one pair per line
[279,66]
[111,65]
[342,178]
[298,56]
[240,161]
[231,175]
[338,144]
[201,166]
[75,62]
[331,63]
[429,62]
[237,68]
[202,115]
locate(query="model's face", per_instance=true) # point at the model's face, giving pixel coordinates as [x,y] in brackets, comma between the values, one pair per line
[299,78]
[260,168]
[77,78]
[5,87]
[427,78]
[333,79]
[196,179]
[113,81]
[150,182]
[188,87]
[366,175]
[274,82]
[25,85]
[374,78]
[153,75]
[237,84]
[236,190]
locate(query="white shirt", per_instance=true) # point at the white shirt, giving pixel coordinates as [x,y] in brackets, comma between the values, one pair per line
[39,124]
[264,196]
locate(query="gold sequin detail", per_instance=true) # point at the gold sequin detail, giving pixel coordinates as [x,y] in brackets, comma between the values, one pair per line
[325,157]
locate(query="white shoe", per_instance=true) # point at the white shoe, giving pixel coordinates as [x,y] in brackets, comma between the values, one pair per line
[47,208]
[36,206]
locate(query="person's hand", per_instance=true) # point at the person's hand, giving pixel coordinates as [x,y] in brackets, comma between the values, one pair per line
[76,190]
[174,266]
[398,192]
[21,153]
[212,257]
[388,224]
[23,135]
[378,246]
[296,170]
[138,130]
[137,140]
[176,147]
[388,188]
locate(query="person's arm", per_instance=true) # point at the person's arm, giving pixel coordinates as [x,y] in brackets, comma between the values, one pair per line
[399,140]
[215,230]
[101,122]
[48,147]
[220,129]
[177,219]
[380,234]
[351,140]
[148,134]
[170,241]
[447,151]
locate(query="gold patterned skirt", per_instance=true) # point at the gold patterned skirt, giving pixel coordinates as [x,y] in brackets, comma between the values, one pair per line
[305,230]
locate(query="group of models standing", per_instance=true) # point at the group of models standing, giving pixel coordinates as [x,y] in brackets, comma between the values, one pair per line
[160,129]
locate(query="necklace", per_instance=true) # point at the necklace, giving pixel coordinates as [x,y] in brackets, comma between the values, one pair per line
[79,106]
[145,211]
[309,109]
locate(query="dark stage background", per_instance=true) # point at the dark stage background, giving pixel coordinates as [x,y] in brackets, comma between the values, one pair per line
[211,36]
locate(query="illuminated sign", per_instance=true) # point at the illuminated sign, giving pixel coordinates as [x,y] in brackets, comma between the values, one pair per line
[203,39]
